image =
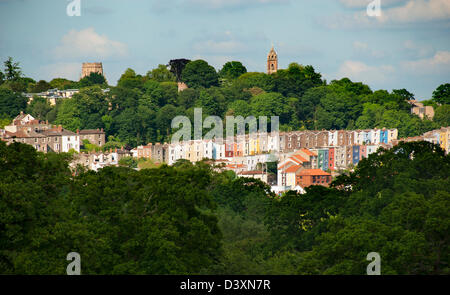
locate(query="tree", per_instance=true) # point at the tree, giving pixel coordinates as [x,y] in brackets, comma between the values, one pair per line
[129,162]
[39,108]
[69,115]
[40,86]
[199,73]
[212,102]
[270,104]
[161,74]
[296,79]
[121,221]
[61,83]
[357,88]
[11,103]
[442,94]
[232,70]
[442,115]
[93,79]
[239,108]
[130,80]
[4,120]
[187,98]
[177,66]
[12,70]
[405,94]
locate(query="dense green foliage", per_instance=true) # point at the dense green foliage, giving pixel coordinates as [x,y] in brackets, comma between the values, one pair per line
[199,74]
[123,221]
[442,94]
[232,70]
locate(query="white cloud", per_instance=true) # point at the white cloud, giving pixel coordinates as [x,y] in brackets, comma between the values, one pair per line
[88,44]
[418,11]
[364,3]
[438,64]
[359,71]
[412,11]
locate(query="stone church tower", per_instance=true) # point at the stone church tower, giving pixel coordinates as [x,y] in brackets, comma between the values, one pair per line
[272,62]
[88,68]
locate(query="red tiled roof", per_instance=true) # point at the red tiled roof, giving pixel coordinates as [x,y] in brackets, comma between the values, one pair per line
[308,152]
[314,172]
[251,172]
[234,166]
[300,158]
[293,169]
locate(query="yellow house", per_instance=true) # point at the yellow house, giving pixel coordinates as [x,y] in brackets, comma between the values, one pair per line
[253,145]
[444,139]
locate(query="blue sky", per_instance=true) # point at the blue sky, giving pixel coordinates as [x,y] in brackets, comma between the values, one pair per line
[408,46]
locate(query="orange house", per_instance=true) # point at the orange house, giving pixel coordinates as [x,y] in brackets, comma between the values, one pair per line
[309,177]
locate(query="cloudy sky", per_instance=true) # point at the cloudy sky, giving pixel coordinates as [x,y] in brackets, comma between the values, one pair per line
[408,46]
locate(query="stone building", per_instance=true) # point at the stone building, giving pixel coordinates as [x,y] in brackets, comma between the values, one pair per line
[95,136]
[420,110]
[88,68]
[272,62]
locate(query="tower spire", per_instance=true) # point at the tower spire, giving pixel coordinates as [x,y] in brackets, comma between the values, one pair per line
[272,61]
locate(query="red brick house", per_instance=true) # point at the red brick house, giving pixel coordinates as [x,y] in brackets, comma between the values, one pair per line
[309,177]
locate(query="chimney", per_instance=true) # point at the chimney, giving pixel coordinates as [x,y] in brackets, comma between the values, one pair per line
[101,130]
[21,112]
[110,150]
[121,148]
[115,150]
[78,131]
[59,128]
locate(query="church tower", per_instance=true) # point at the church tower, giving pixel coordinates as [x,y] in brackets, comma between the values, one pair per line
[272,62]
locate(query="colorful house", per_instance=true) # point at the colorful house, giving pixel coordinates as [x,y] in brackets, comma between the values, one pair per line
[356,156]
[309,177]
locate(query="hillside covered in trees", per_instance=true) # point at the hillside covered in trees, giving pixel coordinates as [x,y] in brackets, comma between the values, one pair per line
[124,221]
[141,107]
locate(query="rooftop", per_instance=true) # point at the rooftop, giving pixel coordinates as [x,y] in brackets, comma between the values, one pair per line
[313,172]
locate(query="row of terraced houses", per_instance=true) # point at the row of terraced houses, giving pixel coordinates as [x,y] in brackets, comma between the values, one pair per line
[304,157]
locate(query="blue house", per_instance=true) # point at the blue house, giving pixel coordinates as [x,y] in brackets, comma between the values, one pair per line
[384,136]
[355,154]
[323,159]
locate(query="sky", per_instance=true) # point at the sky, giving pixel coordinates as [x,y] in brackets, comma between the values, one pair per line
[406,46]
